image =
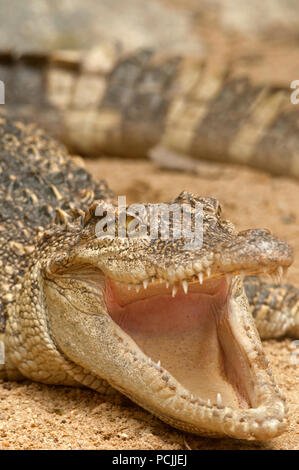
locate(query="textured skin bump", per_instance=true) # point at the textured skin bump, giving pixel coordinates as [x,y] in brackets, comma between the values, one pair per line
[38,184]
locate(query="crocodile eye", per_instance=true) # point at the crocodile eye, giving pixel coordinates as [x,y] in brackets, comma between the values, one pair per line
[124,223]
[133,223]
[129,219]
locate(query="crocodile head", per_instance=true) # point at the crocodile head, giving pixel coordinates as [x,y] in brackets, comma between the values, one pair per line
[164,322]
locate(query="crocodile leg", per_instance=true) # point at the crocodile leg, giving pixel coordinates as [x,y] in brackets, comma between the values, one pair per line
[274,307]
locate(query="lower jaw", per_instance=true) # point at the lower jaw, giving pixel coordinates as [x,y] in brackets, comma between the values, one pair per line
[184,335]
[152,387]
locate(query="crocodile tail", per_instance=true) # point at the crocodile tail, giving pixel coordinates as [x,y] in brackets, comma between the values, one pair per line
[105,101]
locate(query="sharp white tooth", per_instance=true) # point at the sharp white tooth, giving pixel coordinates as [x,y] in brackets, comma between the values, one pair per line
[167,284]
[280,273]
[185,286]
[200,277]
[153,279]
[198,266]
[174,291]
[185,406]
[145,283]
[137,287]
[245,427]
[219,400]
[209,402]
[159,364]
[129,286]
[280,270]
[208,272]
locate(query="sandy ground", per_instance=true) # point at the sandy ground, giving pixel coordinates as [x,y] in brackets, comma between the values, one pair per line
[36,416]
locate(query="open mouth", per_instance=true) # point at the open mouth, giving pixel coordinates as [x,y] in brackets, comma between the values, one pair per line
[185,330]
[192,348]
[175,333]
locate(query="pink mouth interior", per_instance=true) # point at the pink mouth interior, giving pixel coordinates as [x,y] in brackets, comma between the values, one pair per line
[184,333]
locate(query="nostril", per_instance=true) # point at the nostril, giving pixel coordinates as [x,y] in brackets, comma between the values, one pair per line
[266,230]
[263,231]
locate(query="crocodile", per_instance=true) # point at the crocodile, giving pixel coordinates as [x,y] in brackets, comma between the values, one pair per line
[168,326]
[110,101]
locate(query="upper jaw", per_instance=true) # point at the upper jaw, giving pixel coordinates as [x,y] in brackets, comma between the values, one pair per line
[197,270]
[250,252]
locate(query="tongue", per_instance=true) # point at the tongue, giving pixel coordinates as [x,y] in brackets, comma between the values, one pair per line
[181,332]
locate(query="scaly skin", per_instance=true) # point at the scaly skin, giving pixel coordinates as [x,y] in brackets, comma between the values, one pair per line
[107,102]
[68,316]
